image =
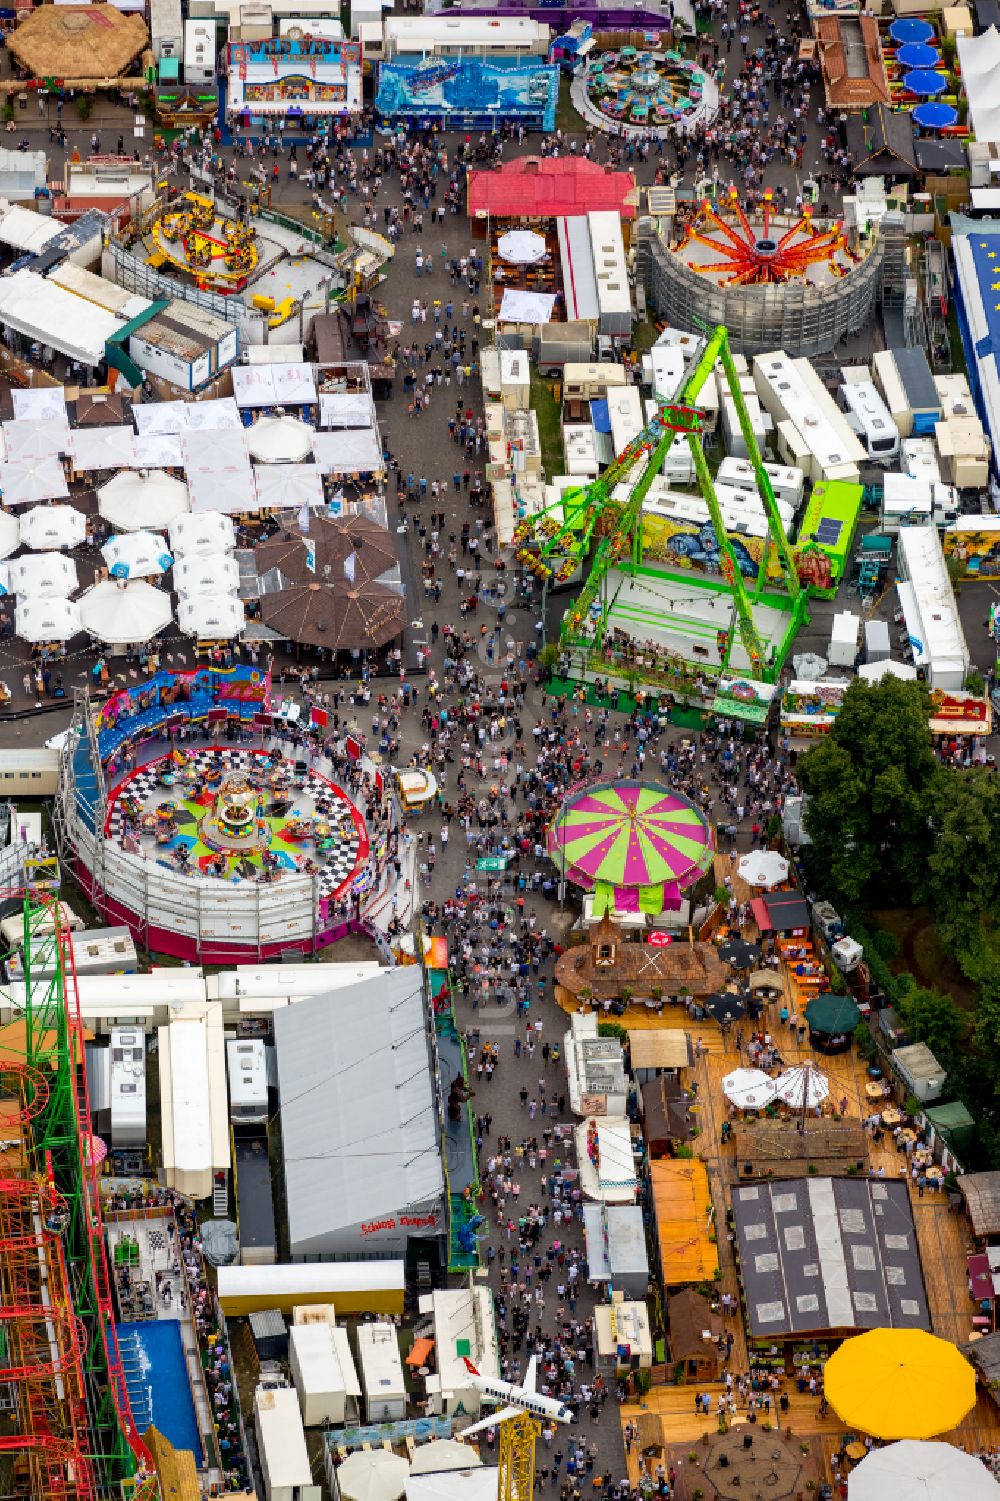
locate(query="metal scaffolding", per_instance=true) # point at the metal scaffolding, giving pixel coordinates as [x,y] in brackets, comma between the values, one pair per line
[59,1355]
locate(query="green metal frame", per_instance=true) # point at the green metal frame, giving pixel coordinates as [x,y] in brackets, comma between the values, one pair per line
[50,1044]
[563,532]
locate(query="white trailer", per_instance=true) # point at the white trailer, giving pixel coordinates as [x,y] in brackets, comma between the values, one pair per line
[281,1446]
[246,1065]
[166,29]
[791,392]
[614,300]
[929,609]
[787,480]
[381,1373]
[199,51]
[128,1087]
[319,1355]
[886,379]
[868,417]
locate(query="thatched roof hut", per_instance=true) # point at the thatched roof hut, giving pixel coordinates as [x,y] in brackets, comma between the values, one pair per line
[78,43]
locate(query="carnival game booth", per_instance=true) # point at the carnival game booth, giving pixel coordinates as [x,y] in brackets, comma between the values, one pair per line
[298,81]
[217,852]
[468,93]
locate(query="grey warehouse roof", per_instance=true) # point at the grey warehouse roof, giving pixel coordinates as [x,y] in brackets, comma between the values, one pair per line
[358,1110]
[829,1253]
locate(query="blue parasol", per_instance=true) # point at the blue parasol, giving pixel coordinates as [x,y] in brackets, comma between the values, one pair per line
[922,81]
[918,55]
[935,116]
[911,29]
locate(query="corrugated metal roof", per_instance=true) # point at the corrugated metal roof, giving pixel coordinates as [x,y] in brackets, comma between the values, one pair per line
[545,187]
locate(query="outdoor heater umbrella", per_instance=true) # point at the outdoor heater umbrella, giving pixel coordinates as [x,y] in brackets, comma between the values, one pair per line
[740,953]
[748,1088]
[42,620]
[197,536]
[725,1006]
[137,555]
[43,575]
[46,527]
[212,618]
[122,614]
[216,573]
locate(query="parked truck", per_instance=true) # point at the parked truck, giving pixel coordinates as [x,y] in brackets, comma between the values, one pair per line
[562,344]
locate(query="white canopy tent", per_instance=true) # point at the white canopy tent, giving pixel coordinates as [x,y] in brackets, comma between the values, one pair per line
[218,619]
[43,575]
[443,1454]
[921,1470]
[40,309]
[349,451]
[44,403]
[215,573]
[134,502]
[47,527]
[526,307]
[160,417]
[979,57]
[37,438]
[137,555]
[294,384]
[210,416]
[253,386]
[229,488]
[159,451]
[124,614]
[288,486]
[280,440]
[10,534]
[200,536]
[346,409]
[521,247]
[103,448]
[874,672]
[42,620]
[26,482]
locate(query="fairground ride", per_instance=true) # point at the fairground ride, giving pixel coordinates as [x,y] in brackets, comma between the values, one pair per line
[70,1431]
[556,541]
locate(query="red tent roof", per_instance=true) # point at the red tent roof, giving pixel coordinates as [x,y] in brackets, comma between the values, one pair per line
[540,187]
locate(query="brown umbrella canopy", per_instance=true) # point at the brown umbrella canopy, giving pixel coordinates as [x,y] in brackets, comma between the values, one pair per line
[367,615]
[334,541]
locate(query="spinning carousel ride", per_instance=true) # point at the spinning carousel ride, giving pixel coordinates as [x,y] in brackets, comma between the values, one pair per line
[240,816]
[645,91]
[190,236]
[767,248]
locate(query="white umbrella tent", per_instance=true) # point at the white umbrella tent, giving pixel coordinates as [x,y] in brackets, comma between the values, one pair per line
[217,618]
[763,868]
[521,247]
[921,1470]
[10,534]
[27,482]
[748,1088]
[47,527]
[214,573]
[124,614]
[137,555]
[43,575]
[45,620]
[372,1475]
[279,440]
[802,1087]
[135,501]
[288,486]
[199,536]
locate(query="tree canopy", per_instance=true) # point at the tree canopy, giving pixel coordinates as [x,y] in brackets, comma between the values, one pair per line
[931,1018]
[870,783]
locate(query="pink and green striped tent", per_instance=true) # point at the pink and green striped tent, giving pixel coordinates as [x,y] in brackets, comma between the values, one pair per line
[634,837]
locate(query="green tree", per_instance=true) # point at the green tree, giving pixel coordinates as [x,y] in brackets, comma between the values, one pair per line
[963,866]
[931,1018]
[869,784]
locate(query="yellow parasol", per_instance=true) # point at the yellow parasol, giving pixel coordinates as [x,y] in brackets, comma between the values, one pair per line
[900,1383]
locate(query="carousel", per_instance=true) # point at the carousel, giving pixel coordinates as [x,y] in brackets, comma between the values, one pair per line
[240,815]
[645,92]
[190,236]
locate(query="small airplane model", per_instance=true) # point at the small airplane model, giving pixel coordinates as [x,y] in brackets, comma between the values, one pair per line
[514,1400]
